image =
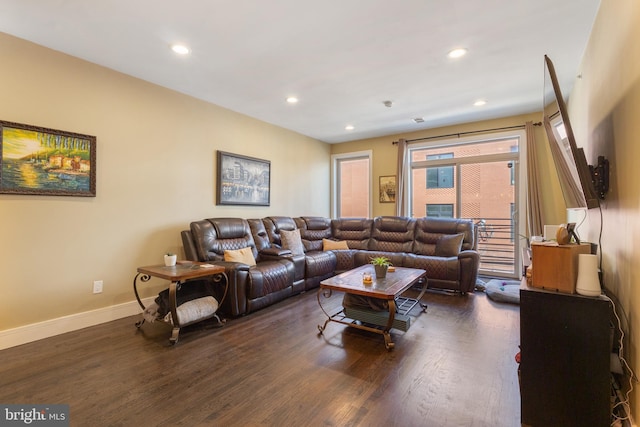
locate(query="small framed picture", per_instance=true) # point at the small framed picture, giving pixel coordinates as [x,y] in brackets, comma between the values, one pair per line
[388,189]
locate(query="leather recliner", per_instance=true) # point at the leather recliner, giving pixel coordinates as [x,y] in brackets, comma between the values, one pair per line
[250,287]
[318,265]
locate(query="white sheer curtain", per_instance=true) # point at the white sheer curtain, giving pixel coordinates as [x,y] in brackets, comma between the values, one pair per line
[534,214]
[400,180]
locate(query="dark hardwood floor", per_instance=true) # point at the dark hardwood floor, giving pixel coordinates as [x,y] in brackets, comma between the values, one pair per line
[454,367]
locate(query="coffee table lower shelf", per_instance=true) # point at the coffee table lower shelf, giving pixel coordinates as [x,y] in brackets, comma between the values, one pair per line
[376,321]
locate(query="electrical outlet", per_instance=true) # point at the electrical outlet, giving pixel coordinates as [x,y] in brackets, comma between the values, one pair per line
[97,286]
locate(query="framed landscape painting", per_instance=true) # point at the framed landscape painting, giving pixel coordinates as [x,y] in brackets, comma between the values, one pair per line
[242,180]
[49,162]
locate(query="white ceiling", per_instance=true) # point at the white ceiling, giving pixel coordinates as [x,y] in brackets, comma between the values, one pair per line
[341,58]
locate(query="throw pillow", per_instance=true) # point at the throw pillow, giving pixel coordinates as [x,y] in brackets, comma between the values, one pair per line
[291,240]
[449,245]
[244,255]
[329,245]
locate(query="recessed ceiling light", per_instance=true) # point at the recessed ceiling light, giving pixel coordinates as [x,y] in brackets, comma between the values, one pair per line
[349,127]
[457,53]
[292,100]
[180,49]
[479,103]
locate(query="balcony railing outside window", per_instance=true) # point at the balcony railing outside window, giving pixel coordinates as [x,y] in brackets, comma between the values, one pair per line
[496,245]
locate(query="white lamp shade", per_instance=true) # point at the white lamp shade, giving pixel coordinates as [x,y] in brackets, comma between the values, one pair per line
[588,282]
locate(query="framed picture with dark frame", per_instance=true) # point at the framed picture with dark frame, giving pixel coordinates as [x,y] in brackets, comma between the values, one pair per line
[47,162]
[388,189]
[243,180]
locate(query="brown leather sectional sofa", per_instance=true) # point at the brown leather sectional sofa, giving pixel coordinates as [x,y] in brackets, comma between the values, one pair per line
[446,248]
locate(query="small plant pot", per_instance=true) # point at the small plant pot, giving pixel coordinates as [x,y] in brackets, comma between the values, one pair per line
[170,260]
[381,271]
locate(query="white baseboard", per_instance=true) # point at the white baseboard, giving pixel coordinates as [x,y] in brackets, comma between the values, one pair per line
[49,328]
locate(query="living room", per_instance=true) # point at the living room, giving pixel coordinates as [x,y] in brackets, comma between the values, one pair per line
[156,170]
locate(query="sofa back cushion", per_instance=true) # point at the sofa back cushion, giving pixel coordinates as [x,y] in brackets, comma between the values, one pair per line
[259,233]
[392,234]
[355,231]
[313,229]
[215,235]
[429,230]
[274,224]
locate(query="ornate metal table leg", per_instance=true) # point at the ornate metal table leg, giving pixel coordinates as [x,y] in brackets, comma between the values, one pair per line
[173,305]
[422,292]
[387,336]
[143,278]
[327,294]
[174,335]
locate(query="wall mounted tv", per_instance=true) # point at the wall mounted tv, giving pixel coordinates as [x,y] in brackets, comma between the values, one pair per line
[574,172]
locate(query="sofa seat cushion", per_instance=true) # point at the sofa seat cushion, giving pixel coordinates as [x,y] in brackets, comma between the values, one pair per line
[436,267]
[320,263]
[364,257]
[268,277]
[344,260]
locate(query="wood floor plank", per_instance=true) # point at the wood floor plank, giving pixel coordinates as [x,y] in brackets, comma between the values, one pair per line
[454,367]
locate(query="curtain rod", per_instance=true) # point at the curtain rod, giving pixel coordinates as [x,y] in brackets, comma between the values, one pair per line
[471,132]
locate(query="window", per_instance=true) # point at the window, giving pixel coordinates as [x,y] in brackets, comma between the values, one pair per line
[476,177]
[440,210]
[440,177]
[351,185]
[511,165]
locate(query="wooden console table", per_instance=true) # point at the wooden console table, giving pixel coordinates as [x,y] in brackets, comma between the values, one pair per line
[178,276]
[565,359]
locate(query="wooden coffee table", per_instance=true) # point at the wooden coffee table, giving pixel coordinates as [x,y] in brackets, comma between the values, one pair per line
[390,289]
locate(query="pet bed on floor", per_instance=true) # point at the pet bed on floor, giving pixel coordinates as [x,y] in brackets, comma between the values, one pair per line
[503,291]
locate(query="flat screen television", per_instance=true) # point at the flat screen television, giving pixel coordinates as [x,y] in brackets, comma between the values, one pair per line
[571,164]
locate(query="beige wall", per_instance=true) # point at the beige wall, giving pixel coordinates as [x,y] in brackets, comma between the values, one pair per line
[385,154]
[605,113]
[155,173]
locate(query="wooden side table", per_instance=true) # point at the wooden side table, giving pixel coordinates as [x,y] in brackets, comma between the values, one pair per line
[178,276]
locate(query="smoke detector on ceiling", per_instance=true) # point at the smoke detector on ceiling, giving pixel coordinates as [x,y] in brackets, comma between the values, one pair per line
[418,120]
[388,104]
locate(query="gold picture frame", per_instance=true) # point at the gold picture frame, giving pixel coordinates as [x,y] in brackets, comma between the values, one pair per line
[387,189]
[46,162]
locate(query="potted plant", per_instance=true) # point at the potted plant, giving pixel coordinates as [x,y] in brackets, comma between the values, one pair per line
[381,264]
[170,259]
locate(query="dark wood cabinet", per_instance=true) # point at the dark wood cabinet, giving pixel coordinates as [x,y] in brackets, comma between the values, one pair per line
[565,344]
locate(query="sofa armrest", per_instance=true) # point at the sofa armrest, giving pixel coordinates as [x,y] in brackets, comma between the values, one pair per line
[189,247]
[237,273]
[469,265]
[275,252]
